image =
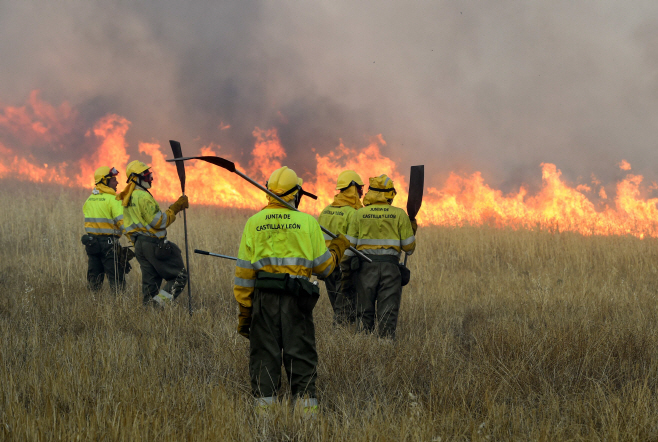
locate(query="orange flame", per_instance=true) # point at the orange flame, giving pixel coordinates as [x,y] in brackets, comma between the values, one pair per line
[463,199]
[624,165]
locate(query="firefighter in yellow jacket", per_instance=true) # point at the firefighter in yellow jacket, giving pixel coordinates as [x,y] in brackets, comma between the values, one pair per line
[146,227]
[337,217]
[382,232]
[279,251]
[103,227]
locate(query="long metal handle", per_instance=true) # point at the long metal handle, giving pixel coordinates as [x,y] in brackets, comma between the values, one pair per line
[203,252]
[282,201]
[187,263]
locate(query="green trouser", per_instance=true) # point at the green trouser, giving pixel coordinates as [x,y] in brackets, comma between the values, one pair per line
[154,270]
[332,284]
[281,333]
[345,306]
[103,263]
[378,295]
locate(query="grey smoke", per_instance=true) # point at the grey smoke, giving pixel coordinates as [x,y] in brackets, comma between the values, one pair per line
[498,87]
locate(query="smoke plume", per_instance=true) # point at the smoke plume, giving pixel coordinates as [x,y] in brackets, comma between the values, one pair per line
[497,87]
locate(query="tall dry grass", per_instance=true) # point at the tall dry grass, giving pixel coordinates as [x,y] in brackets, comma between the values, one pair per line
[503,336]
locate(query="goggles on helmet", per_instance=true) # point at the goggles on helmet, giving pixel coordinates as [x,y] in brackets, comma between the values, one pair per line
[113,172]
[392,189]
[352,183]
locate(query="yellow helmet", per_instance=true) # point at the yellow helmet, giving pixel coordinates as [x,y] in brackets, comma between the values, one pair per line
[284,182]
[383,184]
[104,172]
[346,178]
[136,168]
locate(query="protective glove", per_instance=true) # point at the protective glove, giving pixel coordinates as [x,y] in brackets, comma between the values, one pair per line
[346,273]
[180,204]
[337,246]
[244,320]
[414,225]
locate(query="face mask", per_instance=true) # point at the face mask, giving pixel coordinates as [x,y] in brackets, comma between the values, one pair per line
[145,180]
[144,184]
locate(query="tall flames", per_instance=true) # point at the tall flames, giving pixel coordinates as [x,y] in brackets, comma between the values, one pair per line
[464,199]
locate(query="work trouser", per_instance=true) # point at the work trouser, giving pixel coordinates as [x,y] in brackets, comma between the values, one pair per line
[345,305]
[379,291]
[332,284]
[105,262]
[281,333]
[154,270]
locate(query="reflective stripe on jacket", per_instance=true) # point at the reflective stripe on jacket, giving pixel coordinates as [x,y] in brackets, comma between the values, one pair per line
[143,216]
[381,229]
[103,214]
[279,240]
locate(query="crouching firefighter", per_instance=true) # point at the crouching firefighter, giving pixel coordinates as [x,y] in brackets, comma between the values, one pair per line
[382,232]
[279,251]
[103,227]
[337,217]
[146,227]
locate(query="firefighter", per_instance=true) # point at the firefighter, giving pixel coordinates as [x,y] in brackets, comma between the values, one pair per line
[337,217]
[146,227]
[381,232]
[103,226]
[279,251]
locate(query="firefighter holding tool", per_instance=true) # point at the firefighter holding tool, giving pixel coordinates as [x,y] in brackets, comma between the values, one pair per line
[146,227]
[381,232]
[104,226]
[337,217]
[279,251]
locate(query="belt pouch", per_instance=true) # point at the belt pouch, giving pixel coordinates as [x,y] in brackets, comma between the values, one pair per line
[163,249]
[308,295]
[91,243]
[272,282]
[306,292]
[405,274]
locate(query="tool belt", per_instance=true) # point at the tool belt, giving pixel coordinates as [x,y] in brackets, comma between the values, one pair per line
[147,238]
[305,291]
[393,259]
[163,249]
[92,242]
[405,273]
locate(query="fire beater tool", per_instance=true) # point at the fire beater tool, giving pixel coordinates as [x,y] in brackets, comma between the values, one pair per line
[180,166]
[230,166]
[415,200]
[203,252]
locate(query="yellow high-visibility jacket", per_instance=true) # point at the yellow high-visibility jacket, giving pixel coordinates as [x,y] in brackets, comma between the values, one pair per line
[142,216]
[381,229]
[103,213]
[280,240]
[337,216]
[336,219]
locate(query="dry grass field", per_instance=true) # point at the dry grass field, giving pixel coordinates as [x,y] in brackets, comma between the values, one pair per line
[503,335]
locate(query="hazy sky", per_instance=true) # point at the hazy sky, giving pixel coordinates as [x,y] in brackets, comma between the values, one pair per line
[497,86]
